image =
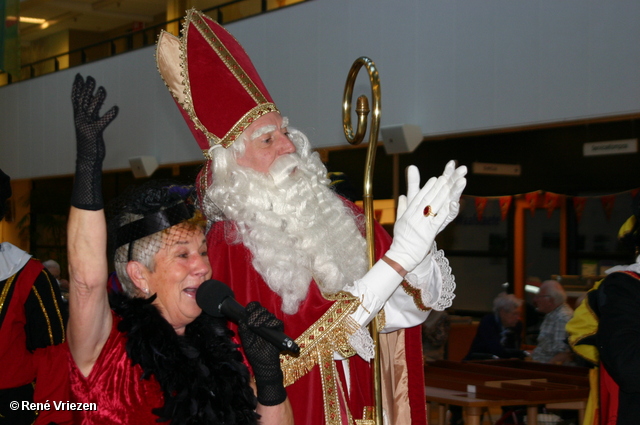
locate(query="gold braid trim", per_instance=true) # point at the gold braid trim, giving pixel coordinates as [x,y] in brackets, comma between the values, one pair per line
[368,416]
[318,343]
[382,320]
[330,391]
[415,294]
[262,106]
[57,307]
[5,291]
[44,313]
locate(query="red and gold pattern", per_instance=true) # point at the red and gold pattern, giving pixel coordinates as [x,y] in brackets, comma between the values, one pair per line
[212,80]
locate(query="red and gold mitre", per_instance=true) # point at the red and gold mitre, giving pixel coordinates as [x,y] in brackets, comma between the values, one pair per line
[212,80]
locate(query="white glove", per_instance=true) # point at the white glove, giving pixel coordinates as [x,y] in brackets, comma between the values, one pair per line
[413,187]
[414,232]
[457,184]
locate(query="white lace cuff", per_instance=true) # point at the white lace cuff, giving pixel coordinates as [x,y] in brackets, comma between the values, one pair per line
[438,297]
[362,342]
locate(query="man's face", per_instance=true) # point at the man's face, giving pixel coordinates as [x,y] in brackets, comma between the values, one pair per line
[266,139]
[543,302]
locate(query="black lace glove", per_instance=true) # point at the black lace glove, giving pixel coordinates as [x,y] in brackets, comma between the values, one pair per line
[263,356]
[90,150]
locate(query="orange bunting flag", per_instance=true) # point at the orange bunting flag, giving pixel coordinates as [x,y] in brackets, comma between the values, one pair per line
[532,201]
[607,205]
[578,206]
[481,203]
[505,204]
[551,202]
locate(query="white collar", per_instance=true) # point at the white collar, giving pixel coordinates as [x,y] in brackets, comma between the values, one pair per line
[635,267]
[12,259]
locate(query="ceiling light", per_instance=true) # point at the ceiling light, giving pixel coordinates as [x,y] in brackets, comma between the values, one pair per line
[32,20]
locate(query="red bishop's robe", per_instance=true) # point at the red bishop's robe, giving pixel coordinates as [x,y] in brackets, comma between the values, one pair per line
[315,382]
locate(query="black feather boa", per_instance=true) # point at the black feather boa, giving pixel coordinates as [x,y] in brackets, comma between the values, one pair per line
[201,373]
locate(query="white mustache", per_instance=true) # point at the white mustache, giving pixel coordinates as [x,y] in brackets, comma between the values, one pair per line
[282,169]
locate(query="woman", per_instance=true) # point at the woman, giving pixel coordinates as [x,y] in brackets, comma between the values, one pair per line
[156,357]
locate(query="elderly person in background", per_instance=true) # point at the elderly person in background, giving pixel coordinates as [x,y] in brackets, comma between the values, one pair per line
[499,334]
[553,346]
[156,357]
[281,236]
[54,268]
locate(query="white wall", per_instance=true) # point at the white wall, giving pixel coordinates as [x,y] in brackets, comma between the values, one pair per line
[449,66]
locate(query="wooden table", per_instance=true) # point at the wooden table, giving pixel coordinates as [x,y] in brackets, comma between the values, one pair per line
[485,384]
[474,405]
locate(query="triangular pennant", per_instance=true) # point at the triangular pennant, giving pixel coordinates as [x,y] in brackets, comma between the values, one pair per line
[551,202]
[579,203]
[505,204]
[481,203]
[532,201]
[607,204]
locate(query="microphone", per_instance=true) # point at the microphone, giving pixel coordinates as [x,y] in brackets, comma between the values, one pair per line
[217,299]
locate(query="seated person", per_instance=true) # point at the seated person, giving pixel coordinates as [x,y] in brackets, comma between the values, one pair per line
[553,346]
[156,358]
[499,334]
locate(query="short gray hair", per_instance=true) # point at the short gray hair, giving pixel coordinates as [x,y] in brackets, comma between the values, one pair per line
[52,264]
[506,302]
[555,291]
[144,253]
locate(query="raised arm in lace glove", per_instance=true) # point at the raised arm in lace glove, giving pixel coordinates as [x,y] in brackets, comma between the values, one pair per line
[262,355]
[90,150]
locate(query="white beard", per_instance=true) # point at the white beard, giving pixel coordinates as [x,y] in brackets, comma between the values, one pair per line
[295,226]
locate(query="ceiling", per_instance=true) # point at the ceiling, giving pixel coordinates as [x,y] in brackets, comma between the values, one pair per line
[86,15]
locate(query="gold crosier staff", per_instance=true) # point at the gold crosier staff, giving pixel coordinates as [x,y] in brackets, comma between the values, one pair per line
[362,110]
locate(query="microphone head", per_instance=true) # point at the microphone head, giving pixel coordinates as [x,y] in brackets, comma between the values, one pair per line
[210,296]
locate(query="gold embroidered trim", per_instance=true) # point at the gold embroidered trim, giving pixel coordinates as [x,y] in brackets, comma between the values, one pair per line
[382,320]
[5,291]
[226,57]
[263,107]
[317,344]
[57,307]
[243,123]
[368,416]
[415,294]
[187,105]
[44,313]
[328,377]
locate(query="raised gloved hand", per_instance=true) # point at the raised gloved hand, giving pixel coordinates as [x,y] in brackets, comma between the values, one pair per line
[262,355]
[90,150]
[413,187]
[457,183]
[423,213]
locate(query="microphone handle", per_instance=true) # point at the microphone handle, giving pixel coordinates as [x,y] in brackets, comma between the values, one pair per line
[230,308]
[277,338]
